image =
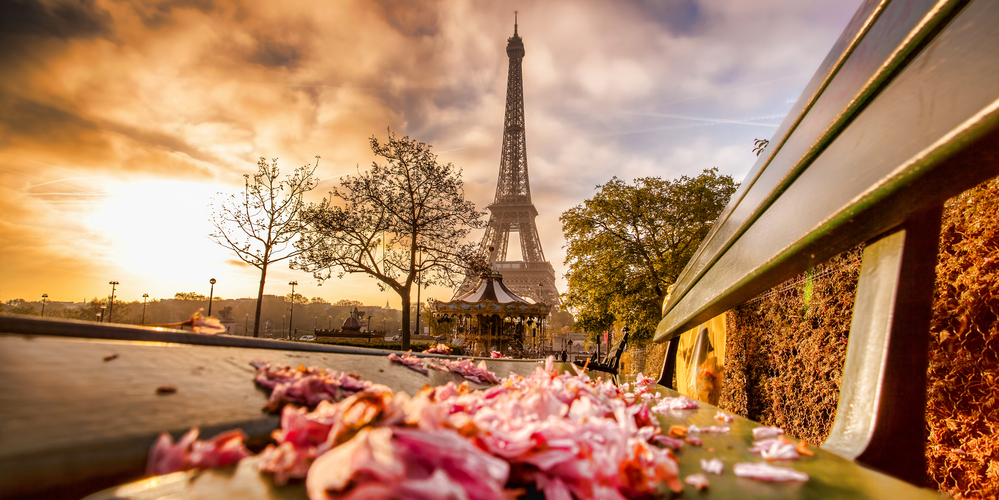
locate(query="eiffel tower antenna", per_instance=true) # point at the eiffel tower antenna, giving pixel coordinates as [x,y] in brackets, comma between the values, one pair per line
[512,209]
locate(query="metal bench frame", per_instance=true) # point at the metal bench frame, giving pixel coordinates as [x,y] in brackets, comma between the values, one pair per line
[902,115]
[612,363]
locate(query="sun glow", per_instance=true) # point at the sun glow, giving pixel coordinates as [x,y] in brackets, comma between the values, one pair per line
[158,230]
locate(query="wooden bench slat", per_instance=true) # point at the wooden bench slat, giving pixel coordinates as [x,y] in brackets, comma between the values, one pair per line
[69,419]
[845,76]
[903,156]
[831,476]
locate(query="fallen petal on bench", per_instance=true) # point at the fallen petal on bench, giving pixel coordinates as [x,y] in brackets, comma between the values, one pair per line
[763,444]
[767,472]
[699,481]
[713,429]
[677,403]
[713,466]
[767,432]
[779,450]
[189,453]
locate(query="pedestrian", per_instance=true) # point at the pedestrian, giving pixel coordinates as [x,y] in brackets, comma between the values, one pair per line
[565,356]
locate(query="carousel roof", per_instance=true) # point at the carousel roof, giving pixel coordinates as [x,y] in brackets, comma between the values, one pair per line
[491,288]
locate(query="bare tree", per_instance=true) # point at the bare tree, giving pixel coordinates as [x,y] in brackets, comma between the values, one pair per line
[402,223]
[262,224]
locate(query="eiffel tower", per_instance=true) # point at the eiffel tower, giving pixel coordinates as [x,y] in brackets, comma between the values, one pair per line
[512,209]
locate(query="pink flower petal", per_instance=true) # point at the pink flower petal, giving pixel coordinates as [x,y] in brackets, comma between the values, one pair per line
[714,466]
[699,481]
[767,472]
[766,432]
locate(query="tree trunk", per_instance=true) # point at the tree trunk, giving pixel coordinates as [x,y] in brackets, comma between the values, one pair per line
[404,295]
[260,301]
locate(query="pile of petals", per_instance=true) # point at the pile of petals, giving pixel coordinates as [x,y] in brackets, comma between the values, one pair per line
[189,453]
[479,373]
[498,355]
[305,385]
[409,361]
[564,436]
[439,349]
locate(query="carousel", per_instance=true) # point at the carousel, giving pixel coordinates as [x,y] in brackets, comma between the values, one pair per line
[492,318]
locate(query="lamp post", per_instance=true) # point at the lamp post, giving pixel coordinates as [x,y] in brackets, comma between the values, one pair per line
[44,296]
[144,297]
[291,320]
[111,304]
[246,326]
[102,314]
[211,295]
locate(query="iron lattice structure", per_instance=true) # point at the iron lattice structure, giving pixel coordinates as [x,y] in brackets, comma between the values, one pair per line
[512,210]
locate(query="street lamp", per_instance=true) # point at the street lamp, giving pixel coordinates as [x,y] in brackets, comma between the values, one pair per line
[144,297]
[291,320]
[102,314]
[44,296]
[211,295]
[111,304]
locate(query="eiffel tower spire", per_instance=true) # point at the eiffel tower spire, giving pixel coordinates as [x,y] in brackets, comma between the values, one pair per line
[512,209]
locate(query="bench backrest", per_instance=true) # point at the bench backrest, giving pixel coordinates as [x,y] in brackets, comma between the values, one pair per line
[900,116]
[613,359]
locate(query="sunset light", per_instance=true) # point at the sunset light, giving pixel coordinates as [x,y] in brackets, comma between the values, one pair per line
[119,122]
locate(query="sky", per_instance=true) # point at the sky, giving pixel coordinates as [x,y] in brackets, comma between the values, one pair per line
[122,120]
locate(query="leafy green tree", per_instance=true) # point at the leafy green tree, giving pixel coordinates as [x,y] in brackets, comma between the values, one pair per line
[405,218]
[628,243]
[262,225]
[562,319]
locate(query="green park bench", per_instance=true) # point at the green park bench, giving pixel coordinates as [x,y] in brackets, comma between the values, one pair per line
[901,116]
[612,362]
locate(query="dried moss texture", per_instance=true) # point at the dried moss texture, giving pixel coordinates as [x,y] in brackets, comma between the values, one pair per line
[963,395]
[785,350]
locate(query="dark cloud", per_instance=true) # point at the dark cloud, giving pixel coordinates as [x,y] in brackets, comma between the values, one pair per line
[682,17]
[25,119]
[275,54]
[62,19]
[158,14]
[415,19]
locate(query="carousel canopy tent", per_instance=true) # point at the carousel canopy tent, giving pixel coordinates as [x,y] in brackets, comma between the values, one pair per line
[491,287]
[491,297]
[491,317]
